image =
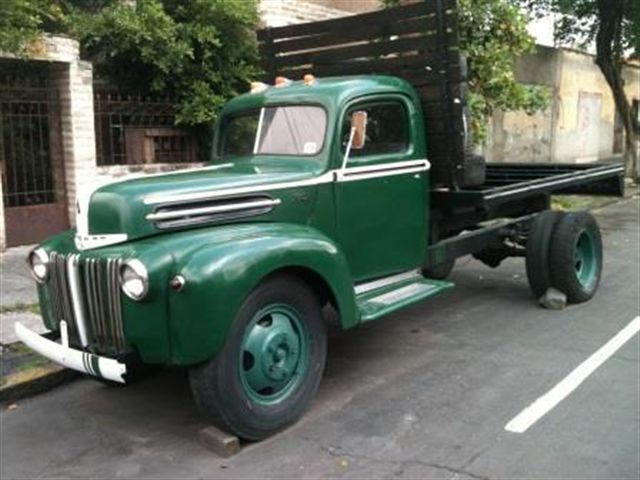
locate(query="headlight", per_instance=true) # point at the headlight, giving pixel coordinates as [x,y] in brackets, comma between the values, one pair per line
[38,261]
[134,279]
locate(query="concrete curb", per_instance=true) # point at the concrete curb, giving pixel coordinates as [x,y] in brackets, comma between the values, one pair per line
[49,379]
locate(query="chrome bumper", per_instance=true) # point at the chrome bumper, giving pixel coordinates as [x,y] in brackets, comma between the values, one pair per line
[85,362]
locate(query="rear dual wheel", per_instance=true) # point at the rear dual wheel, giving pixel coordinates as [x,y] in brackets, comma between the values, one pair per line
[564,251]
[271,365]
[576,256]
[538,250]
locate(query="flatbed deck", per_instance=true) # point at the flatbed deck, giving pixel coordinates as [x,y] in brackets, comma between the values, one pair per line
[511,181]
[515,189]
[506,182]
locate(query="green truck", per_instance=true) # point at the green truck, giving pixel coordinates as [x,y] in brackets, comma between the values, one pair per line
[355,191]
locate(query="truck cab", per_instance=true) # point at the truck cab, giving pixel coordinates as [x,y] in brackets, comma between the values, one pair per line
[320,182]
[370,200]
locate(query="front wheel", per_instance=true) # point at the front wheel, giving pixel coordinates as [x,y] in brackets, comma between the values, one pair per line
[271,365]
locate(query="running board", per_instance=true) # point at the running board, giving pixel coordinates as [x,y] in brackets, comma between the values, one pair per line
[397,292]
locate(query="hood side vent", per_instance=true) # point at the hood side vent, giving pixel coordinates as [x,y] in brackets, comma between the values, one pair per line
[203,212]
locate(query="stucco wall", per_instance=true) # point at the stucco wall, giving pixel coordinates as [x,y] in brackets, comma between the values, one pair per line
[517,136]
[585,112]
[578,125]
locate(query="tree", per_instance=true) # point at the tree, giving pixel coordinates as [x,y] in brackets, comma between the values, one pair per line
[198,53]
[492,34]
[21,23]
[614,25]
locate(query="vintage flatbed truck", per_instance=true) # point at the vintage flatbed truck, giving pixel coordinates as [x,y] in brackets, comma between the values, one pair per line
[358,191]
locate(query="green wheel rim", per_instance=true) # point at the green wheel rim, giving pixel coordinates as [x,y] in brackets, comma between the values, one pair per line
[586,259]
[274,355]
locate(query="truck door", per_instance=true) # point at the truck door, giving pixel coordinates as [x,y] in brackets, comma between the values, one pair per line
[380,191]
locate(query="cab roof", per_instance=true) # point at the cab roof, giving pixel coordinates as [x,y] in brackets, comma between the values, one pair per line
[330,92]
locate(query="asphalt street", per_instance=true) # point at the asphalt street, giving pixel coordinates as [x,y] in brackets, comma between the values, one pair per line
[424,393]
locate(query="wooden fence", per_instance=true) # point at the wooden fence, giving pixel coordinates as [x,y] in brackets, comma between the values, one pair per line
[418,42]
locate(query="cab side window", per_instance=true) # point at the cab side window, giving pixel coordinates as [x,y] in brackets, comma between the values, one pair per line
[387,129]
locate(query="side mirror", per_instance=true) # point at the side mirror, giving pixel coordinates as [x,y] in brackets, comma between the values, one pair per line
[359,129]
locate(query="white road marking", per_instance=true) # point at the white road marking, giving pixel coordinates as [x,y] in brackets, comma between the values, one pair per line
[534,412]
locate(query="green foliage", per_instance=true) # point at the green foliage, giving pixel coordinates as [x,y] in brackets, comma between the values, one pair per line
[22,21]
[578,23]
[133,45]
[19,24]
[199,53]
[492,34]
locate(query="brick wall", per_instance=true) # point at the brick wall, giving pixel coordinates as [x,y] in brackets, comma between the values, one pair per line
[72,78]
[75,83]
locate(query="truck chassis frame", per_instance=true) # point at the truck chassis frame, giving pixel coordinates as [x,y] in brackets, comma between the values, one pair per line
[480,219]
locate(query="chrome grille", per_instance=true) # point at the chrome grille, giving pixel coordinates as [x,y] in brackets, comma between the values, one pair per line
[60,293]
[100,300]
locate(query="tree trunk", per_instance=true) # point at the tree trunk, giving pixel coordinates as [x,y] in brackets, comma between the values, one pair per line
[610,62]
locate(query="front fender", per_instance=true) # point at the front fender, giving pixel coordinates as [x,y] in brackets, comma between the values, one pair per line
[219,276]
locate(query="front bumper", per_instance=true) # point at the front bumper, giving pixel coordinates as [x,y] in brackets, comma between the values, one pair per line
[103,367]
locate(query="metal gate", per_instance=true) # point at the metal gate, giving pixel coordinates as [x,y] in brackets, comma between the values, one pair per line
[32,166]
[138,129]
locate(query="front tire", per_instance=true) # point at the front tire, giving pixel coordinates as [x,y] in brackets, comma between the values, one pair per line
[271,364]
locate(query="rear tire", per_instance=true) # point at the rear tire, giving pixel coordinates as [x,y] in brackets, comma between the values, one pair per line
[538,249]
[576,256]
[271,364]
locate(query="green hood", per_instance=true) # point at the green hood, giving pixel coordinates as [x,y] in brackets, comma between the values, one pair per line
[224,193]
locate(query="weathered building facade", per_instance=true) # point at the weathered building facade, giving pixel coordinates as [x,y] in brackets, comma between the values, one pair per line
[580,124]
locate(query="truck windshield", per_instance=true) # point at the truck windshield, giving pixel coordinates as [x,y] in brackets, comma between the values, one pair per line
[278,130]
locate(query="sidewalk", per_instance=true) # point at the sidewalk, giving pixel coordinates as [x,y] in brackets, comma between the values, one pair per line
[22,372]
[18,297]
